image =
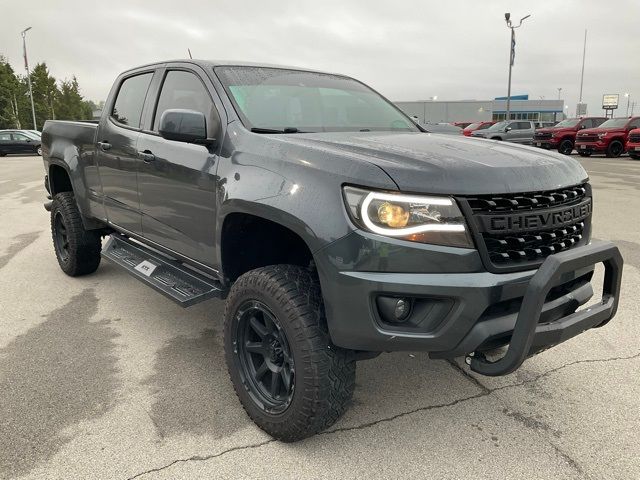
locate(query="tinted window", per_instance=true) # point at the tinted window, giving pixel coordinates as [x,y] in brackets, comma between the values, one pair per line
[183,90]
[20,137]
[127,108]
[5,136]
[635,124]
[597,121]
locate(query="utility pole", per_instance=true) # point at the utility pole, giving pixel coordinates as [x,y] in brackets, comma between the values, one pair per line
[584,53]
[26,66]
[628,95]
[559,92]
[512,55]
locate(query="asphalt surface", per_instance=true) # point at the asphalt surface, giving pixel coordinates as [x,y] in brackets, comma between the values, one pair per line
[101,377]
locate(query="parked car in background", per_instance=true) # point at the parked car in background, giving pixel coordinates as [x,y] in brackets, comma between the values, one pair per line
[562,136]
[445,128]
[633,144]
[462,125]
[517,131]
[472,127]
[609,138]
[16,141]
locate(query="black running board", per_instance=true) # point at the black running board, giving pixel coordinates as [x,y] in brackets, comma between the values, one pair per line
[181,284]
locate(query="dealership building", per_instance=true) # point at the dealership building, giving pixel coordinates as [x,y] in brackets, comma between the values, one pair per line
[436,111]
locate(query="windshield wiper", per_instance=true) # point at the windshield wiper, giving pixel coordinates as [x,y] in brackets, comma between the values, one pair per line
[275,130]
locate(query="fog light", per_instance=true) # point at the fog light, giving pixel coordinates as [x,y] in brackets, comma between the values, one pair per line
[394,309]
[402,309]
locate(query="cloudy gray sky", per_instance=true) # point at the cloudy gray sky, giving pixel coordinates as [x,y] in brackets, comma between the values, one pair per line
[409,50]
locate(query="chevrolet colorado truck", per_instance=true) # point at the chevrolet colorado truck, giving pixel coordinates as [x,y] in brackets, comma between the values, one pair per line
[609,138]
[562,136]
[335,228]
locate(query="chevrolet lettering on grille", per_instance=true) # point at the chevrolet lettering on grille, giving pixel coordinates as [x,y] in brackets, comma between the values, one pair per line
[534,220]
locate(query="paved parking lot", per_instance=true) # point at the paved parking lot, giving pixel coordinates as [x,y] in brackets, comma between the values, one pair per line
[100,377]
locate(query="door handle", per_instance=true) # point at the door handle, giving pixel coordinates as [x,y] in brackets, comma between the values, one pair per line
[104,145]
[146,156]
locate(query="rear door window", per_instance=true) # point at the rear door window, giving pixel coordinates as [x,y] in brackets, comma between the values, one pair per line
[127,109]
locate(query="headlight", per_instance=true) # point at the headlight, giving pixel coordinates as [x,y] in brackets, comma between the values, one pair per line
[416,218]
[602,135]
[553,135]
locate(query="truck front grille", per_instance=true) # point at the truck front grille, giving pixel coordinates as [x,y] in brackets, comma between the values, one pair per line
[518,231]
[587,137]
[542,135]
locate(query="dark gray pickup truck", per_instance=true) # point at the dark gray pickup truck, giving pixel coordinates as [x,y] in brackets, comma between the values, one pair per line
[335,228]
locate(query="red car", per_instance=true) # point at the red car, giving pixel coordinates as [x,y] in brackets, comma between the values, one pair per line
[609,138]
[461,124]
[562,136]
[633,144]
[472,127]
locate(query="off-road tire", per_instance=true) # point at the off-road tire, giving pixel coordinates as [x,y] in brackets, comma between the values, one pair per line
[565,147]
[617,151]
[324,377]
[584,154]
[82,253]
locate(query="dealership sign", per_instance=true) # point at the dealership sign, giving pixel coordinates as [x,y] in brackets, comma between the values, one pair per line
[610,101]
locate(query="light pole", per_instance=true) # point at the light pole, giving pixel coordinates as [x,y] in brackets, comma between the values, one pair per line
[559,92]
[584,55]
[26,66]
[628,95]
[512,55]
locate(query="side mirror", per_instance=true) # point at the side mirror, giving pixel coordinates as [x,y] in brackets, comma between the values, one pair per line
[184,126]
[507,129]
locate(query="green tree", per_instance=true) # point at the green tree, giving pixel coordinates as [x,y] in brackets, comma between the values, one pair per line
[45,93]
[13,103]
[69,103]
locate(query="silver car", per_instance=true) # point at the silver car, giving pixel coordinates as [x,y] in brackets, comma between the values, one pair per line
[517,131]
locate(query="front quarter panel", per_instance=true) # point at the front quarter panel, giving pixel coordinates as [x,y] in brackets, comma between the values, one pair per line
[297,187]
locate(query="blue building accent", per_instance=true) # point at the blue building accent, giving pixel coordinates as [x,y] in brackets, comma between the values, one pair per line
[514,97]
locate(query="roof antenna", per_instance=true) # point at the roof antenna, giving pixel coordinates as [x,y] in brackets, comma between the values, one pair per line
[189,50]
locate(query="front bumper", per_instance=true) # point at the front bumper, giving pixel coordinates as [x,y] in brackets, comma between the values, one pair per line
[473,310]
[549,144]
[591,147]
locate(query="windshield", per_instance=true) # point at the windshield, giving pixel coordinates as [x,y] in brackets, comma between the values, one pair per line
[498,126]
[614,123]
[569,122]
[278,99]
[473,126]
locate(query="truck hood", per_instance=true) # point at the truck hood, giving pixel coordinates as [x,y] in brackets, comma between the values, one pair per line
[602,130]
[433,163]
[555,130]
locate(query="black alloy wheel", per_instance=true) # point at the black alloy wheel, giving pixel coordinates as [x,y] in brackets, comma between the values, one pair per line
[565,147]
[615,149]
[264,358]
[61,238]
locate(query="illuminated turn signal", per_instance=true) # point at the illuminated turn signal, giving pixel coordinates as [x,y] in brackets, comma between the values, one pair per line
[393,215]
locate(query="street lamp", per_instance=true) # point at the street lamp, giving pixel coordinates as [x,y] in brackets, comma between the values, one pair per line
[628,96]
[512,56]
[26,66]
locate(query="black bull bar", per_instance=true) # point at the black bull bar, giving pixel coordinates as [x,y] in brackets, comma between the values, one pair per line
[529,336]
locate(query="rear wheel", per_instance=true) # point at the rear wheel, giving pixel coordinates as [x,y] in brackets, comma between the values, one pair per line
[290,379]
[77,249]
[566,146]
[615,149]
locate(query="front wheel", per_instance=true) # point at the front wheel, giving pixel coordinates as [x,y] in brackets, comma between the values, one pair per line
[77,249]
[615,149]
[565,147]
[290,379]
